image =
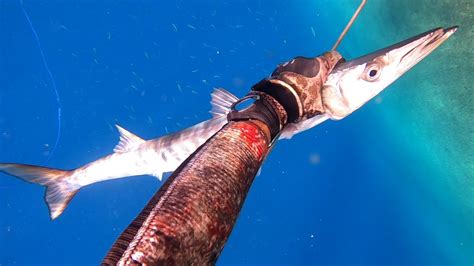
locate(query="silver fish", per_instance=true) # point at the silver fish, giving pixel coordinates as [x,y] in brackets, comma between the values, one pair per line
[348,87]
[132,156]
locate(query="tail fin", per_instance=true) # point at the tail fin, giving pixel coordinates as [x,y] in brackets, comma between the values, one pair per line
[59,191]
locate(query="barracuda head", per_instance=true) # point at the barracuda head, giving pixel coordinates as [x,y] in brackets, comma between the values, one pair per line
[351,84]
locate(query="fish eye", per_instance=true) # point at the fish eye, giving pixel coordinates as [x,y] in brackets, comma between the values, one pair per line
[372,72]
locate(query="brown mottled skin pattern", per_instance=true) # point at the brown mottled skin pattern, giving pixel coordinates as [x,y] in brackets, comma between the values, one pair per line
[188,221]
[309,89]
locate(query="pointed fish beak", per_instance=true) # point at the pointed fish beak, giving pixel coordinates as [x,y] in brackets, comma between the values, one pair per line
[407,53]
[351,84]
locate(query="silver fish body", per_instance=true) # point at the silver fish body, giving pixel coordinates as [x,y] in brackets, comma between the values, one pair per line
[348,87]
[132,156]
[153,157]
[135,156]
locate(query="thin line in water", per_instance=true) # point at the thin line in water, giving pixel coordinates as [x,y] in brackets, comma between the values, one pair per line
[53,82]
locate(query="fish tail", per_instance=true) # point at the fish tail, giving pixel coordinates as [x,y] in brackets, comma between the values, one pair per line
[59,191]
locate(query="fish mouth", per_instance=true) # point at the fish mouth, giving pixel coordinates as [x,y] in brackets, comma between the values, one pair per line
[353,83]
[407,53]
[413,50]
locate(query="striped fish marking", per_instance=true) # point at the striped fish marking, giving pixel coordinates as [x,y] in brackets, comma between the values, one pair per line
[135,156]
[132,156]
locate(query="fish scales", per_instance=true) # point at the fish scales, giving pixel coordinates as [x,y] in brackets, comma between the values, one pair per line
[191,216]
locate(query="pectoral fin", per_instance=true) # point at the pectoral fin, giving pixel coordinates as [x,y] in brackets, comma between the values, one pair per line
[292,129]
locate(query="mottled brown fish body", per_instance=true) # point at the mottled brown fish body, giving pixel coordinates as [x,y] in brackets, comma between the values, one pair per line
[188,221]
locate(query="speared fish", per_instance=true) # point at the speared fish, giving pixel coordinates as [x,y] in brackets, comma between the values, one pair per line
[347,88]
[188,221]
[132,156]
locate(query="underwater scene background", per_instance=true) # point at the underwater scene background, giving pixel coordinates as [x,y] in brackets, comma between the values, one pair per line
[391,184]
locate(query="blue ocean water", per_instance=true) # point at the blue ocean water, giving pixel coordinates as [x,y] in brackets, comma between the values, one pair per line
[344,193]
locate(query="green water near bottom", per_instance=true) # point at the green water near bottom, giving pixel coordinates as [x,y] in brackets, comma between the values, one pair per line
[429,114]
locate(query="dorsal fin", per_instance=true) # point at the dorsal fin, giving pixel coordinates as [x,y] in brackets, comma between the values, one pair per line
[221,102]
[128,141]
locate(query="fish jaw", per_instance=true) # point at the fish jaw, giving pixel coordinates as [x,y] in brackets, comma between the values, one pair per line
[351,84]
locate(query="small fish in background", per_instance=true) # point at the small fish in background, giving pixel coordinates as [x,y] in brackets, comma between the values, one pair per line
[132,156]
[189,219]
[348,87]
[135,156]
